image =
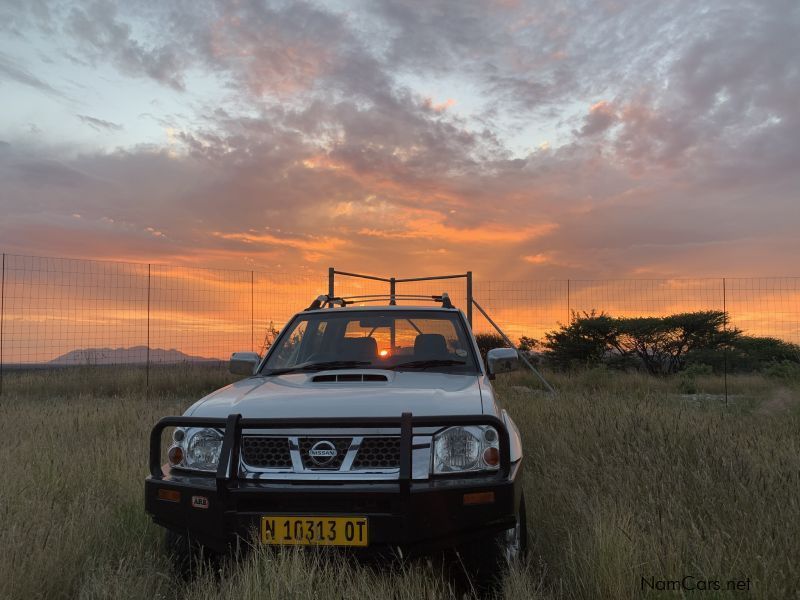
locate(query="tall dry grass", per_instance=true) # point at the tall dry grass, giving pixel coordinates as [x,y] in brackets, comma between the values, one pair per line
[627,477]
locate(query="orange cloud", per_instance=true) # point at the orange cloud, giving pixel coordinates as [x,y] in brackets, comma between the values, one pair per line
[438,107]
[429,224]
[314,248]
[537,259]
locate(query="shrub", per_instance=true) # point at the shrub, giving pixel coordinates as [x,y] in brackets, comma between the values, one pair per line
[487,341]
[527,344]
[583,343]
[784,369]
[747,354]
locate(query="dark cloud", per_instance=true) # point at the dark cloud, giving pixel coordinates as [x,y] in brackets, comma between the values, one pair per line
[101,35]
[601,116]
[99,124]
[46,174]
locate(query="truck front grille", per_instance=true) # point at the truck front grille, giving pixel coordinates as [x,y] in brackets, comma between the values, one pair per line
[378,453]
[321,453]
[266,452]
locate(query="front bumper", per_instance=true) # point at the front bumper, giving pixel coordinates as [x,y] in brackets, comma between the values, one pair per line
[432,516]
[417,516]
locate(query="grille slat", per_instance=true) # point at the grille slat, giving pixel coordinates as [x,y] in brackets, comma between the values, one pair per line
[378,453]
[266,452]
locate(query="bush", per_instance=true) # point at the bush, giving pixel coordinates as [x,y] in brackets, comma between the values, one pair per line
[784,369]
[747,354]
[527,344]
[487,341]
[688,377]
[583,343]
[698,370]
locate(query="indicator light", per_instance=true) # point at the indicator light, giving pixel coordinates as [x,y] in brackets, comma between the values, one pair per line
[491,456]
[474,498]
[169,495]
[175,456]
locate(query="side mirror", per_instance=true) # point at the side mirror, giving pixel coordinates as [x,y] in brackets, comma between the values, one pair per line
[502,360]
[243,363]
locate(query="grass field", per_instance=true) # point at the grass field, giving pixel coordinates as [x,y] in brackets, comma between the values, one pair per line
[631,483]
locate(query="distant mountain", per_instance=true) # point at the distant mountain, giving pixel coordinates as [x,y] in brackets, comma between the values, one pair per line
[121,356]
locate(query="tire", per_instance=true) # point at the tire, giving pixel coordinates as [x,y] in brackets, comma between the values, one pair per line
[487,560]
[514,542]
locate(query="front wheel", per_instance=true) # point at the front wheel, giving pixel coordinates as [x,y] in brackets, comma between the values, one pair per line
[513,543]
[487,560]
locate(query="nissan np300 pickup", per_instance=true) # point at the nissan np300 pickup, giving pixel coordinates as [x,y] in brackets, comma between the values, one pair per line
[375,428]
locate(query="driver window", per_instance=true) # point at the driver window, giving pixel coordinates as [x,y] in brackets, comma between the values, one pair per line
[382,335]
[409,329]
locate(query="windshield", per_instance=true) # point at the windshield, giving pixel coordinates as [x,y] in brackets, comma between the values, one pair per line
[392,339]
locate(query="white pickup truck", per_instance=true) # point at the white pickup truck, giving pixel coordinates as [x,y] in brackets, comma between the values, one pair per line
[374,428]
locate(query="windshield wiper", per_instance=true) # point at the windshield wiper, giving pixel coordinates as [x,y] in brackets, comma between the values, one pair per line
[424,364]
[320,366]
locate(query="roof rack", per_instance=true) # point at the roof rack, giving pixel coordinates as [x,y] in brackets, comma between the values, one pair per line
[330,300]
[326,301]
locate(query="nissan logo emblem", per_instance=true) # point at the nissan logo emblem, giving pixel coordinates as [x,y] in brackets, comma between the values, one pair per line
[322,453]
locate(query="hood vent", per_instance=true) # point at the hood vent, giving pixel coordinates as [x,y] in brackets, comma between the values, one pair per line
[349,377]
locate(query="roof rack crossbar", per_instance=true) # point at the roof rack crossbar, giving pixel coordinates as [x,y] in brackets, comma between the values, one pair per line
[410,279]
[414,296]
[325,301]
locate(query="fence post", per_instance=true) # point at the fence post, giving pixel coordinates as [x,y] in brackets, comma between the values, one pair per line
[2,317]
[569,310]
[331,276]
[725,329]
[392,288]
[147,363]
[252,313]
[469,298]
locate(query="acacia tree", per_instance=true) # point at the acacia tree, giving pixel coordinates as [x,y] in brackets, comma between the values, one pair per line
[659,344]
[662,343]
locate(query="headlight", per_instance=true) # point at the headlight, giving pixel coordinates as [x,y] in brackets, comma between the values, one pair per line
[466,449]
[196,449]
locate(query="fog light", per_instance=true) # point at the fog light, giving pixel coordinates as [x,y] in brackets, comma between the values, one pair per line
[175,456]
[491,456]
[478,498]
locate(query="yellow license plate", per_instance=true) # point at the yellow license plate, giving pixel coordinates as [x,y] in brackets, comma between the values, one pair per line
[313,530]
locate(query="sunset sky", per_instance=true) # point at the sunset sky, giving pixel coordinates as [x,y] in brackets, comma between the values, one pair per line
[591,139]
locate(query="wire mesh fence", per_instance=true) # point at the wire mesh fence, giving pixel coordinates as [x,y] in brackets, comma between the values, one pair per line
[767,306]
[57,312]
